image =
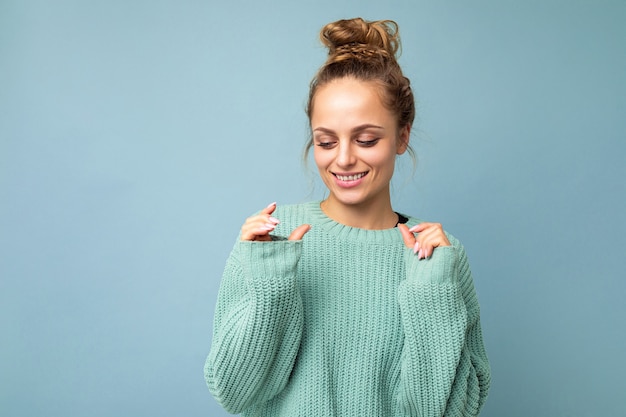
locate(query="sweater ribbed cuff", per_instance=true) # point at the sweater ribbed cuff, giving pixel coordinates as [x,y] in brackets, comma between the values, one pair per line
[441,267]
[270,259]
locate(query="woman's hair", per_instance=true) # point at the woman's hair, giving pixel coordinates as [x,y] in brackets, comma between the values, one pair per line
[366,50]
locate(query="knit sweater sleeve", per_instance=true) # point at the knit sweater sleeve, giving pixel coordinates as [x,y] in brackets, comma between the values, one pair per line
[257,325]
[444,370]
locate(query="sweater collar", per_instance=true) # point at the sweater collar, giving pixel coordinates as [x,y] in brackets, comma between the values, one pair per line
[343,232]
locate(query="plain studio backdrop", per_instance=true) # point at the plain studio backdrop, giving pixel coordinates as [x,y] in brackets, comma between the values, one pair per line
[136,137]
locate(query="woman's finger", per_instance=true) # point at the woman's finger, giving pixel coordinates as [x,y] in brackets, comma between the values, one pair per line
[420,227]
[429,236]
[253,230]
[422,247]
[299,232]
[407,236]
[259,227]
[269,209]
[436,236]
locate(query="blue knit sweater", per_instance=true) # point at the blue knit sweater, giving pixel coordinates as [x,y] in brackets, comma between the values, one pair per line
[346,322]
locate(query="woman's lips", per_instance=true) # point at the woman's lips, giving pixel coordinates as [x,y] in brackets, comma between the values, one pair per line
[349,179]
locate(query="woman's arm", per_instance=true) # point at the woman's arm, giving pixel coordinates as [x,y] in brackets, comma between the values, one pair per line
[444,371]
[258,320]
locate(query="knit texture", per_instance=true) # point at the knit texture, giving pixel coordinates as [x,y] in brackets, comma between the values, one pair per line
[346,322]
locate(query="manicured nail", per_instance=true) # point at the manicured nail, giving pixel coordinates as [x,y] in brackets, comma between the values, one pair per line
[268,227]
[274,220]
[270,205]
[414,228]
[420,254]
[416,247]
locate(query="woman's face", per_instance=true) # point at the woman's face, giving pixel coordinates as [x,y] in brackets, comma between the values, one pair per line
[356,140]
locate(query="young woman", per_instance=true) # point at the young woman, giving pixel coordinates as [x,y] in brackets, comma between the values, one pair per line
[344,307]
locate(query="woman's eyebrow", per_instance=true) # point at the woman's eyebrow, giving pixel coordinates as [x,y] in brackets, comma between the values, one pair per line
[324,130]
[357,129]
[365,127]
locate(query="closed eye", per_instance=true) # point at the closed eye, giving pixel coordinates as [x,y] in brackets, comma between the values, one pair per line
[325,145]
[368,143]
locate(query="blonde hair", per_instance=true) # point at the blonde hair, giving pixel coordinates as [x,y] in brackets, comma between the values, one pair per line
[366,50]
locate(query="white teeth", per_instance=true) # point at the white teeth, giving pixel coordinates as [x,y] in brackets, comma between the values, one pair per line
[350,177]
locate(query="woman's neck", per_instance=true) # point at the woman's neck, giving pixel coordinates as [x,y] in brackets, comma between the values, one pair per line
[371,216]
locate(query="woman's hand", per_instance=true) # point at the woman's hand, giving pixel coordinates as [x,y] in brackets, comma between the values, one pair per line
[429,236]
[258,227]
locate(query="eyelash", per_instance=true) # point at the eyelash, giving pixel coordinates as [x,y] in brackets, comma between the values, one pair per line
[368,143]
[325,145]
[364,143]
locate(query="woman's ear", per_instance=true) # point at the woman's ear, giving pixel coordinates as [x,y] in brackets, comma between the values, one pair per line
[403,139]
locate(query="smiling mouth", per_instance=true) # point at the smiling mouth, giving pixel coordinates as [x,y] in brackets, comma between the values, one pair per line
[352,177]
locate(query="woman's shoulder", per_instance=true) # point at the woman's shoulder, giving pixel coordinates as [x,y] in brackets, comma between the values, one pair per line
[413,221]
[294,215]
[295,209]
[297,206]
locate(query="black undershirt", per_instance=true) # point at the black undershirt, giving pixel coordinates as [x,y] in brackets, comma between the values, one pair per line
[401,219]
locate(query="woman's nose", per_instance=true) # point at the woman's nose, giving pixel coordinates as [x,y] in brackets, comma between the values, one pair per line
[345,155]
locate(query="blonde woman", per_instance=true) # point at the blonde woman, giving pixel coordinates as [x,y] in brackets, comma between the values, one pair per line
[344,307]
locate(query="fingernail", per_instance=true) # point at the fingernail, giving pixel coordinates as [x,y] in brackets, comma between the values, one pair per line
[414,228]
[421,254]
[268,227]
[270,205]
[274,220]
[416,247]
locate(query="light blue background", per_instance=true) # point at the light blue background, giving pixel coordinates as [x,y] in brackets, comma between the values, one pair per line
[136,136]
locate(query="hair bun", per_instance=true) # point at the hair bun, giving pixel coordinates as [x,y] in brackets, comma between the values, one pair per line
[366,52]
[358,35]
